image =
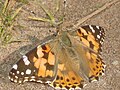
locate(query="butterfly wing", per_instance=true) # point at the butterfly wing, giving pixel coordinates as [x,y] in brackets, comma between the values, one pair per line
[68,76]
[47,63]
[37,65]
[80,61]
[90,38]
[64,67]
[91,64]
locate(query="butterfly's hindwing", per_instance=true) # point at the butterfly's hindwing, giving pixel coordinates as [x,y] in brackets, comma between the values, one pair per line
[68,76]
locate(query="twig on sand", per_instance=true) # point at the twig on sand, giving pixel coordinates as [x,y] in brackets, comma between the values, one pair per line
[95,12]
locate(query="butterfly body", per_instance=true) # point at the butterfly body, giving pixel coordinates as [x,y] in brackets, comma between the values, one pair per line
[72,58]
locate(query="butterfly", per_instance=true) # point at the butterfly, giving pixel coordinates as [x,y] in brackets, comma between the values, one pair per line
[66,62]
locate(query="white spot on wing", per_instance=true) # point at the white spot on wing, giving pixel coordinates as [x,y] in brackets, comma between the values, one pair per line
[48,82]
[15,80]
[32,79]
[97,27]
[13,73]
[101,42]
[18,72]
[94,80]
[26,61]
[104,66]
[32,76]
[34,70]
[26,79]
[28,71]
[102,39]
[16,77]
[22,73]
[98,36]
[92,28]
[15,66]
[39,81]
[20,81]
[11,79]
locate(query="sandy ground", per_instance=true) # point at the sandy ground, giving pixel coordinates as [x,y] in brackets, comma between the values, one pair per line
[32,32]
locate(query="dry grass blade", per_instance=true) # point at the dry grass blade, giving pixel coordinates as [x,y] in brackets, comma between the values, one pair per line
[16,13]
[95,12]
[5,6]
[39,19]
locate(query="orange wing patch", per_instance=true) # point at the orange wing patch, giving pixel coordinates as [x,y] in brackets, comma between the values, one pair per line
[92,36]
[45,61]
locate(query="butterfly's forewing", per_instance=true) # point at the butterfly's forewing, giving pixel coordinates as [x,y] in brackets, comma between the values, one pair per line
[37,65]
[92,36]
[91,39]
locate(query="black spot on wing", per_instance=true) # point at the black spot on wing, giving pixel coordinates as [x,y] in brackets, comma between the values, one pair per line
[79,31]
[60,86]
[32,53]
[45,55]
[54,84]
[86,28]
[49,67]
[91,45]
[80,85]
[44,47]
[57,78]
[67,87]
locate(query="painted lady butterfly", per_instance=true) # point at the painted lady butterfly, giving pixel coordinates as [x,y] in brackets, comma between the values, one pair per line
[65,62]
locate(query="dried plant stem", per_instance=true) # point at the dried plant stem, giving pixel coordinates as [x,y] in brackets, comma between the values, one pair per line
[95,12]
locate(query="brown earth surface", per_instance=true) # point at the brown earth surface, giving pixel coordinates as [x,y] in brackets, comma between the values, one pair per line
[32,32]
